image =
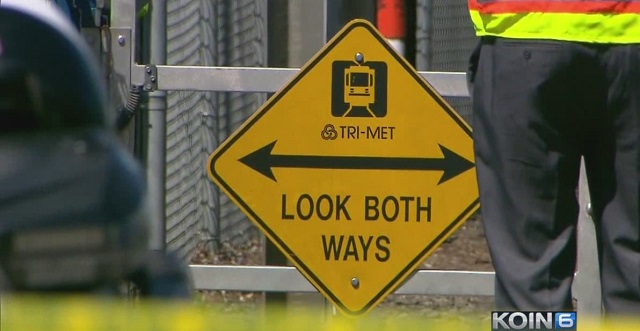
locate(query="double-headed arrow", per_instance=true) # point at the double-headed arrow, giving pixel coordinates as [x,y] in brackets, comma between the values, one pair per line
[263,160]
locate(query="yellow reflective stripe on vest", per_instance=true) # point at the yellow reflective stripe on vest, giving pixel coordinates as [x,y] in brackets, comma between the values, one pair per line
[590,28]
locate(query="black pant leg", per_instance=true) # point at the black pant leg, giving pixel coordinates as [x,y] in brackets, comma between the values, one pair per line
[613,169]
[527,159]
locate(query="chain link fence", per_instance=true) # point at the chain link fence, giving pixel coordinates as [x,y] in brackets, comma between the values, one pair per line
[211,33]
[444,40]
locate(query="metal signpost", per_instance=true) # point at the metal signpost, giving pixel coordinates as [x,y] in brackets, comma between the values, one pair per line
[357,169]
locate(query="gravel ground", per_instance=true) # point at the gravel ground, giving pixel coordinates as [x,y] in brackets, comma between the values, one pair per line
[465,250]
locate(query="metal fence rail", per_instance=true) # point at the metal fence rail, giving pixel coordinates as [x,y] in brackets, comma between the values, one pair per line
[247,79]
[289,279]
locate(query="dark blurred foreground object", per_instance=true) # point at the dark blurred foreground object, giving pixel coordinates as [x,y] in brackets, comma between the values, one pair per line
[73,214]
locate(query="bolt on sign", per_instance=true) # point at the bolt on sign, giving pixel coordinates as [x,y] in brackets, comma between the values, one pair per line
[356,169]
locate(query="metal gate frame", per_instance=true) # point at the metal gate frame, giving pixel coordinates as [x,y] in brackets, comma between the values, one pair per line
[586,286]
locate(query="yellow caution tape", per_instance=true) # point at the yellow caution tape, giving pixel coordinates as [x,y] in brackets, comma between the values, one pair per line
[73,313]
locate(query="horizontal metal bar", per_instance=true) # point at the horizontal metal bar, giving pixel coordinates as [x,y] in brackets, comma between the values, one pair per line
[449,282]
[447,84]
[249,278]
[246,79]
[289,279]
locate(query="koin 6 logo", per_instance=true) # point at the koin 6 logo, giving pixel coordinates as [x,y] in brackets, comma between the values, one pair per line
[534,320]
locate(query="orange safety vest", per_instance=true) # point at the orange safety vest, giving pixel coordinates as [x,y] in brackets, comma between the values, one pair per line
[591,21]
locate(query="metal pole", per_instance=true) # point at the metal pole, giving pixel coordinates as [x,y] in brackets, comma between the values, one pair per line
[122,58]
[156,160]
[338,13]
[277,56]
[331,18]
[424,20]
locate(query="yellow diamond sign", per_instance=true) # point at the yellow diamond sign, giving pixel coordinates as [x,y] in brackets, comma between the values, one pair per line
[357,170]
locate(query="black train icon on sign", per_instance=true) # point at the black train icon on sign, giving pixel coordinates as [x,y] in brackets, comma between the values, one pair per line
[359,89]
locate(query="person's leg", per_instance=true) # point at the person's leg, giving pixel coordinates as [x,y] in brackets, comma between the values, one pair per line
[526,96]
[613,169]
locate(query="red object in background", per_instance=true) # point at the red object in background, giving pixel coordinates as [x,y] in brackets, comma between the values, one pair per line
[390,18]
